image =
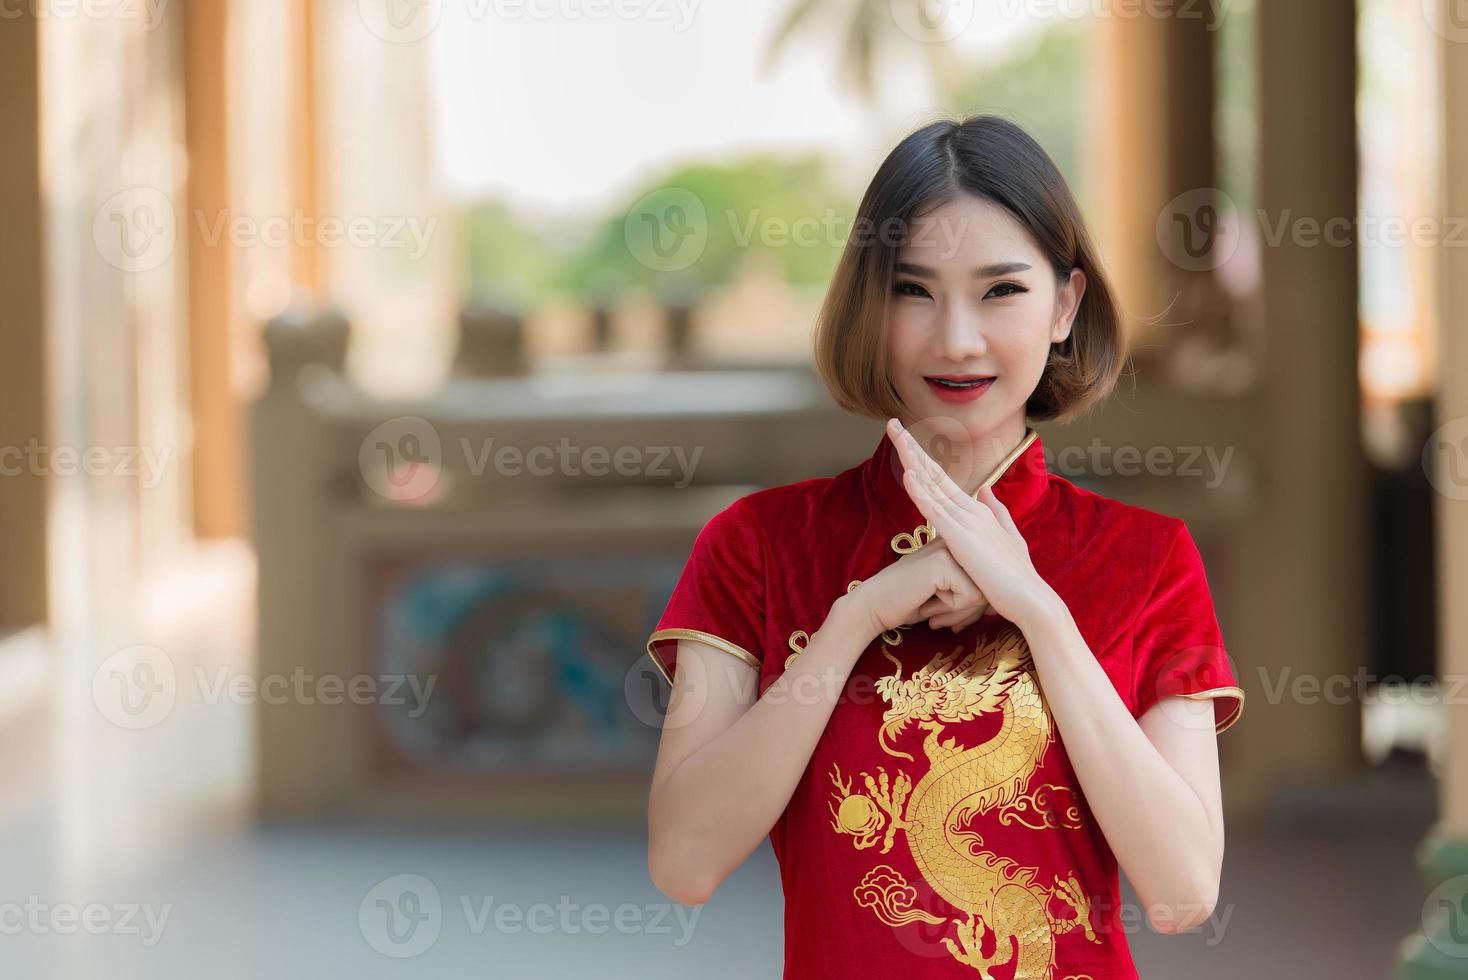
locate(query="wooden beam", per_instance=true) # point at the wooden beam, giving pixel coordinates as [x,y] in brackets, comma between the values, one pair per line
[218,442]
[23,362]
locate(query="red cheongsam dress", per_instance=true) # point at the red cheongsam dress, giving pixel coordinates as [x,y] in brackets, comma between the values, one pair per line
[939,829]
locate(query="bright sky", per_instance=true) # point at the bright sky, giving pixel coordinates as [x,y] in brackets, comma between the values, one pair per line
[573,110]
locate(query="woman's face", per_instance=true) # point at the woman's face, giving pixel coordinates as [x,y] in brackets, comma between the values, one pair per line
[974,297]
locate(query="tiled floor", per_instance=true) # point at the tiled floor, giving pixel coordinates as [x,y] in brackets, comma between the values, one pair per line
[128,854]
[226,902]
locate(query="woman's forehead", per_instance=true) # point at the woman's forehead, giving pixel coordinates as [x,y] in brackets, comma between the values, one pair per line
[967,231]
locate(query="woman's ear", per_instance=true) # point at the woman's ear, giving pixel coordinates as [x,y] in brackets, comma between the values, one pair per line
[1068,304]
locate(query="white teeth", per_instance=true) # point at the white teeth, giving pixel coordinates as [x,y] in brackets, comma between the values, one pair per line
[960,384]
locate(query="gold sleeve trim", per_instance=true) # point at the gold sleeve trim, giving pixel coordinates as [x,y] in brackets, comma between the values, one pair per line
[679,633]
[1221,692]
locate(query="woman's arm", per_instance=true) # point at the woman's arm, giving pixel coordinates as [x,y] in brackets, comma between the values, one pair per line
[1152,782]
[728,763]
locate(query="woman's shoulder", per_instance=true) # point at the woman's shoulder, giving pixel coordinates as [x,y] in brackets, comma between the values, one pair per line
[775,510]
[1085,508]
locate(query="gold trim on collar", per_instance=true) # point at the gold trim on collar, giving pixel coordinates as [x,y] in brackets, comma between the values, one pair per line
[906,542]
[680,633]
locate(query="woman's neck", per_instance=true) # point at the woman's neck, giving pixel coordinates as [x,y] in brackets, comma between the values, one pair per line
[970,458]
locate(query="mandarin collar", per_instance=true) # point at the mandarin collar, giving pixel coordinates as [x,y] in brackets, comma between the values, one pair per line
[1020,481]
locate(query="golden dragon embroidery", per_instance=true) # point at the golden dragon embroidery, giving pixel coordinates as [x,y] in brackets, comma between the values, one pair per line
[996,892]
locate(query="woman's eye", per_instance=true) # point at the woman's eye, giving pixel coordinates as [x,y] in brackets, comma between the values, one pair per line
[1003,289]
[909,289]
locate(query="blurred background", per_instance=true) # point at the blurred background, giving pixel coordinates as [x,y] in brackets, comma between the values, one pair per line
[368,366]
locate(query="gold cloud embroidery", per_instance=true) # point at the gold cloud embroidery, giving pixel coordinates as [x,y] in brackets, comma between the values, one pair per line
[1042,808]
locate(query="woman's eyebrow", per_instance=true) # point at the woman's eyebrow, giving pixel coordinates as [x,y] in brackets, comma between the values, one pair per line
[981,272]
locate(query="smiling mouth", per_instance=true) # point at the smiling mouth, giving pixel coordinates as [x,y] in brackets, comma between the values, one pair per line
[959,382]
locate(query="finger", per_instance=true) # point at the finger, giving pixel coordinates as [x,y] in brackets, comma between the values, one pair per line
[920,492]
[924,489]
[967,595]
[915,457]
[938,605]
[942,483]
[964,616]
[934,607]
[971,619]
[941,619]
[967,602]
[916,479]
[990,499]
[940,511]
[956,622]
[909,450]
[949,573]
[961,620]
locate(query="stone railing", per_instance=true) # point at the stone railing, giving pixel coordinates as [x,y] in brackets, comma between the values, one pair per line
[457,589]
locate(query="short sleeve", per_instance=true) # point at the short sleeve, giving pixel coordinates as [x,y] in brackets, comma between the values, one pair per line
[1177,646]
[720,597]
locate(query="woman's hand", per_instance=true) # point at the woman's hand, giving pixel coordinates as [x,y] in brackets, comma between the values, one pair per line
[980,534]
[948,610]
[898,594]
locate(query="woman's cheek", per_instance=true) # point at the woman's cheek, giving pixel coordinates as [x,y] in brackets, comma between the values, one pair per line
[906,338]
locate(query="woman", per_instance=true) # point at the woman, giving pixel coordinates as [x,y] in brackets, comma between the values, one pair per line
[955,689]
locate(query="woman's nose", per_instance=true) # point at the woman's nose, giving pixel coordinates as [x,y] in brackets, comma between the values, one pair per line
[960,333]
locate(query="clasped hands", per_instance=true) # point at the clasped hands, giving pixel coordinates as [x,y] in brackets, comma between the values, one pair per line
[979,533]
